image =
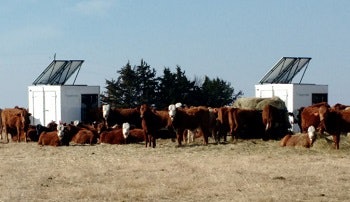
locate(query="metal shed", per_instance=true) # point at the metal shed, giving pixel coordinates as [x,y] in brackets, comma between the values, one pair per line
[278,82]
[51,99]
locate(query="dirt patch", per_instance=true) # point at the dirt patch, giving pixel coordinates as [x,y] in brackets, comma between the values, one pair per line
[249,170]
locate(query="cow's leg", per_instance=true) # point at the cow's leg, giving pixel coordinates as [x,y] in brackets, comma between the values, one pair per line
[25,136]
[6,135]
[206,135]
[153,141]
[146,139]
[179,136]
[336,139]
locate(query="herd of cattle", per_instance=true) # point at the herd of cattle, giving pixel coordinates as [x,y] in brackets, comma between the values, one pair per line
[261,118]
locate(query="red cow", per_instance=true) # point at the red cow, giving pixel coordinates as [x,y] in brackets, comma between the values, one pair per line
[53,138]
[276,122]
[52,126]
[135,136]
[120,116]
[339,106]
[191,118]
[152,123]
[310,116]
[81,135]
[302,139]
[16,122]
[334,122]
[115,136]
[223,123]
[246,123]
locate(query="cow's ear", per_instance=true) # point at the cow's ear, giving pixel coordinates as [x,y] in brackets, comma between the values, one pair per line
[29,114]
[316,114]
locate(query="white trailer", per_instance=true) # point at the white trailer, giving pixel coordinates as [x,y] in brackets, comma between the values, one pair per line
[50,100]
[61,103]
[277,82]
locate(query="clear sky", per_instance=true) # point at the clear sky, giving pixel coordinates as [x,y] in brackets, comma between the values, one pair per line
[237,41]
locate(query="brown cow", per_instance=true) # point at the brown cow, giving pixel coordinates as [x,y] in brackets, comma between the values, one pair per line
[276,122]
[223,123]
[152,123]
[303,139]
[52,126]
[115,136]
[53,138]
[310,116]
[121,115]
[81,135]
[135,136]
[246,123]
[339,106]
[191,118]
[334,122]
[16,122]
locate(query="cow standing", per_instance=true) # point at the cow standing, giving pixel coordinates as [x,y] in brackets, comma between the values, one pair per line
[223,123]
[246,123]
[152,122]
[276,122]
[310,116]
[16,122]
[191,118]
[334,122]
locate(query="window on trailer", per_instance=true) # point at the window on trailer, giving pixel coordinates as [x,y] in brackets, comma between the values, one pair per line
[319,97]
[89,105]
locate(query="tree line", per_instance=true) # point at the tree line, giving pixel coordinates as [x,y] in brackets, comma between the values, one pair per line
[139,84]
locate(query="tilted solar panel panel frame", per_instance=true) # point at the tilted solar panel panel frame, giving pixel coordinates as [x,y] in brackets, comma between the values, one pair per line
[286,69]
[58,72]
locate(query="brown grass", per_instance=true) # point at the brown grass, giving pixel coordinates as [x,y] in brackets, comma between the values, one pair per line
[249,170]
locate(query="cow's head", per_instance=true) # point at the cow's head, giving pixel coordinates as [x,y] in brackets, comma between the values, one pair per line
[105,110]
[311,134]
[126,130]
[60,130]
[172,111]
[143,110]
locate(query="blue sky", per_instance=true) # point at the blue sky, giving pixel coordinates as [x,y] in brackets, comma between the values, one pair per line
[237,41]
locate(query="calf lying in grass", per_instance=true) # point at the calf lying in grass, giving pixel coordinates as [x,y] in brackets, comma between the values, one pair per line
[303,139]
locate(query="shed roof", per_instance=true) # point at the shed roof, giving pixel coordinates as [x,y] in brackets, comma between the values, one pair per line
[286,69]
[58,72]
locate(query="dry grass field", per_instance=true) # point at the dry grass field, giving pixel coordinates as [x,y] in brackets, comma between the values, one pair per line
[248,170]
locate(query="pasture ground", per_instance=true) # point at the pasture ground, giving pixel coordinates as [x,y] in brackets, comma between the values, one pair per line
[248,170]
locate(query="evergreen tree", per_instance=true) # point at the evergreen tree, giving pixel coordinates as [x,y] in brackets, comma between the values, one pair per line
[121,93]
[146,84]
[216,92]
[166,93]
[138,85]
[174,87]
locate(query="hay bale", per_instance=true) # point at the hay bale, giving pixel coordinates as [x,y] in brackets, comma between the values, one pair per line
[247,102]
[274,101]
[259,103]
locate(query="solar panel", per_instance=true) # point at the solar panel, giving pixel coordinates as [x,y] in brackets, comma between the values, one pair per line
[285,70]
[58,72]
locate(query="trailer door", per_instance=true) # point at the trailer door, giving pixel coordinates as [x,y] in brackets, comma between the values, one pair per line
[50,107]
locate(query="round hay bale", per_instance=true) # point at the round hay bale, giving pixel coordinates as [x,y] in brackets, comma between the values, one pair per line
[274,101]
[247,102]
[259,103]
